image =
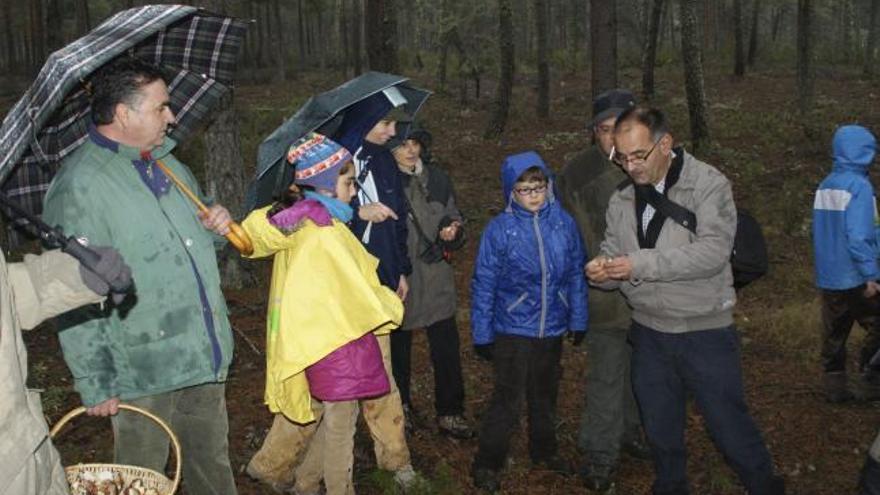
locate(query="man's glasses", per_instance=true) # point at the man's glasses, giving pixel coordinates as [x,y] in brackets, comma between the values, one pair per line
[529,191]
[636,158]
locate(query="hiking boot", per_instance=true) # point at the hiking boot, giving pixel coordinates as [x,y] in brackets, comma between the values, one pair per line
[407,478]
[637,449]
[455,426]
[598,478]
[834,384]
[555,463]
[486,479]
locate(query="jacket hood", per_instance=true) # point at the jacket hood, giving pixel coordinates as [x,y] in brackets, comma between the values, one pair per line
[853,147]
[514,165]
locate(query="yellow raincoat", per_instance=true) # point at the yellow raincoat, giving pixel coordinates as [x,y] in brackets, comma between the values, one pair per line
[324,294]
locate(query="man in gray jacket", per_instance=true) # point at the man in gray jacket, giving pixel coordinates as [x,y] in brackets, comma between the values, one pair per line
[611,419]
[680,288]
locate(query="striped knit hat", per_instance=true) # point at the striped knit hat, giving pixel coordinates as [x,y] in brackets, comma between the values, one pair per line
[317,160]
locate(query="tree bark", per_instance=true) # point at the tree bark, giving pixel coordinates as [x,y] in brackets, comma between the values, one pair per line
[9,40]
[38,35]
[693,73]
[873,36]
[739,56]
[501,106]
[543,108]
[381,29]
[83,21]
[54,31]
[753,34]
[603,40]
[357,37]
[649,55]
[344,29]
[805,75]
[280,47]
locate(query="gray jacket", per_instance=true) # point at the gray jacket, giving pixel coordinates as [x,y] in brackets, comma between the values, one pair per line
[431,295]
[685,283]
[585,186]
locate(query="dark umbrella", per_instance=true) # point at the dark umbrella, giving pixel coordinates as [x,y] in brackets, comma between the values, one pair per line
[322,113]
[197,51]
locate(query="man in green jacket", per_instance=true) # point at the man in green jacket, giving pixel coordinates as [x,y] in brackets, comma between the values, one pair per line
[611,419]
[168,346]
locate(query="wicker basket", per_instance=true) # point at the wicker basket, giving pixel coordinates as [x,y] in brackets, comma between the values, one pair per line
[150,478]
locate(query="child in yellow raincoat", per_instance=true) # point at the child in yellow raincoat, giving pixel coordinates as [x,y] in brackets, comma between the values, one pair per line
[325,304]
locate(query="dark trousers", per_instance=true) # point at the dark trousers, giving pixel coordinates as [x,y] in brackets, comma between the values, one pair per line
[523,367]
[665,368]
[840,309]
[443,343]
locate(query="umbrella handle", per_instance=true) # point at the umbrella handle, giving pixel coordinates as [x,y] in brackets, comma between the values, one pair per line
[236,235]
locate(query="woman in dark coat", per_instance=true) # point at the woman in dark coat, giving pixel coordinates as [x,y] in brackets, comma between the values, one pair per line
[434,226]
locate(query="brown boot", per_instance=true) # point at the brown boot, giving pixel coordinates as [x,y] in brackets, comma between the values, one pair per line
[834,384]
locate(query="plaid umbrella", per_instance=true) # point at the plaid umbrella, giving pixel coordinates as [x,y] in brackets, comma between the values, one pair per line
[197,51]
[322,113]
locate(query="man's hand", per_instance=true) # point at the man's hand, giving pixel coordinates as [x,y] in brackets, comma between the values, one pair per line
[485,351]
[110,275]
[448,233]
[872,288]
[619,268]
[402,288]
[376,213]
[575,337]
[107,408]
[595,269]
[216,219]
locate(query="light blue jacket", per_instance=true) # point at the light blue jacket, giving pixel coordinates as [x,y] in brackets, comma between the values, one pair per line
[845,221]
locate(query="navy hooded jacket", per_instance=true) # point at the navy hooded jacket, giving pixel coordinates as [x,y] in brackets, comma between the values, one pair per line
[845,221]
[528,277]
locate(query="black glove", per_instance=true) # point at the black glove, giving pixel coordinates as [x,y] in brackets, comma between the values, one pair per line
[106,271]
[575,337]
[484,351]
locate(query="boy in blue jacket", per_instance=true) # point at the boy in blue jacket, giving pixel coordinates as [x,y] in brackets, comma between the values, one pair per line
[528,290]
[845,242]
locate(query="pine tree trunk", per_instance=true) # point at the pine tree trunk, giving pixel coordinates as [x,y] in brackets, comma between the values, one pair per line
[54,32]
[279,48]
[38,35]
[543,108]
[693,73]
[11,59]
[603,39]
[83,21]
[739,56]
[381,30]
[873,35]
[357,36]
[344,29]
[805,75]
[649,56]
[753,34]
[501,106]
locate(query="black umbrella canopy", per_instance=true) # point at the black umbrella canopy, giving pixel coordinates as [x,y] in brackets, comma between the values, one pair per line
[322,113]
[196,50]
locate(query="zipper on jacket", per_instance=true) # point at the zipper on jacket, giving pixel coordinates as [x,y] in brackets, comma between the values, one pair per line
[543,275]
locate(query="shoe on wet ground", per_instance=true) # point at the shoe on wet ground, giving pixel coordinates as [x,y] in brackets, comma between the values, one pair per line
[455,426]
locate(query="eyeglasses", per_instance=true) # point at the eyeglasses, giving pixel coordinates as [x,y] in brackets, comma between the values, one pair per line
[636,158]
[529,191]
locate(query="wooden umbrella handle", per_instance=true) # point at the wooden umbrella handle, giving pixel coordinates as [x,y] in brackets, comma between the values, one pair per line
[236,235]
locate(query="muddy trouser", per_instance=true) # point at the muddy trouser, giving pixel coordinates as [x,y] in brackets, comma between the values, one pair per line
[524,367]
[283,446]
[840,309]
[611,416]
[330,454]
[41,474]
[197,415]
[443,342]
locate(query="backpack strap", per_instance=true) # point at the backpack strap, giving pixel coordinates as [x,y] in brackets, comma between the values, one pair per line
[678,213]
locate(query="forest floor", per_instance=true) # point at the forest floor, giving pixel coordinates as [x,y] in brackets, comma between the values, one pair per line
[774,158]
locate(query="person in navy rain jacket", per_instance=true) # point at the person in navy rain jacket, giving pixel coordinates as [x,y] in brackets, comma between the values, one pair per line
[528,291]
[845,241]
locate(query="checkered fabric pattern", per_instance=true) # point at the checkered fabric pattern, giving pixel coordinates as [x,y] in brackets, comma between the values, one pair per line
[197,51]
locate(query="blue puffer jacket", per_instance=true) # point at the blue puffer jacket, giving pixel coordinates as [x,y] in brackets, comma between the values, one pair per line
[845,221]
[528,277]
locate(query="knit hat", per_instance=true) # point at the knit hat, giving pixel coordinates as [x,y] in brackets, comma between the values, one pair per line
[611,103]
[317,160]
